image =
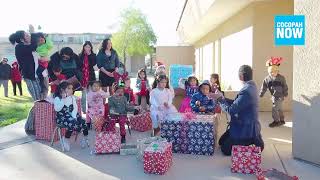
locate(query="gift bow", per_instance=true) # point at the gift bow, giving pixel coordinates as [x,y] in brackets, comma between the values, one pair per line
[274,61]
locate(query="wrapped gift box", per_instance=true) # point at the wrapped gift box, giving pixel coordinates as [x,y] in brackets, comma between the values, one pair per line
[274,174]
[191,135]
[107,142]
[141,122]
[246,159]
[128,149]
[157,158]
[145,142]
[177,72]
[44,120]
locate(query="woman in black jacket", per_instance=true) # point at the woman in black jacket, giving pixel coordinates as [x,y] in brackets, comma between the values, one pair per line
[28,61]
[69,63]
[88,59]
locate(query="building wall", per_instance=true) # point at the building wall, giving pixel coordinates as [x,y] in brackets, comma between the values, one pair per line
[175,55]
[260,16]
[306,86]
[264,48]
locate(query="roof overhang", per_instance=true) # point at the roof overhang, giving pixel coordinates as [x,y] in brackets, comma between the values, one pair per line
[199,17]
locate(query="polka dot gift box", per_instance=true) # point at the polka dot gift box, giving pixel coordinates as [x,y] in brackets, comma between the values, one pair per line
[157,158]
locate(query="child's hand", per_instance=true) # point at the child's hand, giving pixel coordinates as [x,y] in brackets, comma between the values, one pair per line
[202,109]
[198,103]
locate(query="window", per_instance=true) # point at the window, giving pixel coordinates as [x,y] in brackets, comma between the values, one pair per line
[207,61]
[236,50]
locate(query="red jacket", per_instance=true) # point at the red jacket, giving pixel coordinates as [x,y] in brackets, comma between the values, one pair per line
[129,93]
[53,86]
[15,73]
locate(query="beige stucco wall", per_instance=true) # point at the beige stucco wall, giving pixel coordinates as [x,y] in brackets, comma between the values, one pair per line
[260,16]
[175,55]
[306,86]
[263,47]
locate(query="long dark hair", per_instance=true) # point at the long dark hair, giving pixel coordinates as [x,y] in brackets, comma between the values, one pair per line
[62,86]
[158,79]
[103,45]
[187,83]
[35,38]
[216,76]
[145,74]
[84,44]
[17,37]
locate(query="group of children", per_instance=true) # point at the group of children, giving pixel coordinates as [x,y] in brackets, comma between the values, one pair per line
[122,100]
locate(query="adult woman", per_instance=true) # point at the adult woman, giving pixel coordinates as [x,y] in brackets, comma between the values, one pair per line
[107,61]
[28,61]
[88,59]
[70,66]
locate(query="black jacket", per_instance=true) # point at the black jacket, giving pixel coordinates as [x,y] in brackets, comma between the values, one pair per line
[55,60]
[92,62]
[25,60]
[5,71]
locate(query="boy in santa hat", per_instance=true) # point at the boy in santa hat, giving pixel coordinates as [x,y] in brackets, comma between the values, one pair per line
[276,83]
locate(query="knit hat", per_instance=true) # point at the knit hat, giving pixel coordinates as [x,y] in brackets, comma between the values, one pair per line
[274,61]
[118,86]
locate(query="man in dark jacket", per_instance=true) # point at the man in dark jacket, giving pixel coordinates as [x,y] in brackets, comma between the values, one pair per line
[245,127]
[5,73]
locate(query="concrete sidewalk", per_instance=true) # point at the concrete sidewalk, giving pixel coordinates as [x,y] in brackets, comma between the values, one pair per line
[37,160]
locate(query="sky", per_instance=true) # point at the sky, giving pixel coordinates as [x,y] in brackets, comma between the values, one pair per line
[95,16]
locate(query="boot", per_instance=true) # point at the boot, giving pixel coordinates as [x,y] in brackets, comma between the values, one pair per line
[89,126]
[66,144]
[123,139]
[274,124]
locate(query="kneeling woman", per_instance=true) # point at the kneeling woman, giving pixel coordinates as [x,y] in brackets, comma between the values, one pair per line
[67,114]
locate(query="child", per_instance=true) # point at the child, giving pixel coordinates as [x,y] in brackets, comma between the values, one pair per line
[215,83]
[67,114]
[128,92]
[44,47]
[142,84]
[120,74]
[161,102]
[276,83]
[95,101]
[16,78]
[60,77]
[160,69]
[200,102]
[191,87]
[118,108]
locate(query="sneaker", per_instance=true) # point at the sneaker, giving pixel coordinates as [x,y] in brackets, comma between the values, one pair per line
[123,139]
[84,143]
[274,124]
[66,144]
[282,122]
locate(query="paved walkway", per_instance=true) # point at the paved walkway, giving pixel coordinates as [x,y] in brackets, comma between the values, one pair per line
[21,157]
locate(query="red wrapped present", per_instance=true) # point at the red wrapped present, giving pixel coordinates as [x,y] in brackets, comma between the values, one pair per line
[141,122]
[44,120]
[246,159]
[107,142]
[274,174]
[157,158]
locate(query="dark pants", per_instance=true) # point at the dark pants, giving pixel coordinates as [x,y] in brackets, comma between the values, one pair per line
[41,78]
[147,99]
[14,85]
[226,143]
